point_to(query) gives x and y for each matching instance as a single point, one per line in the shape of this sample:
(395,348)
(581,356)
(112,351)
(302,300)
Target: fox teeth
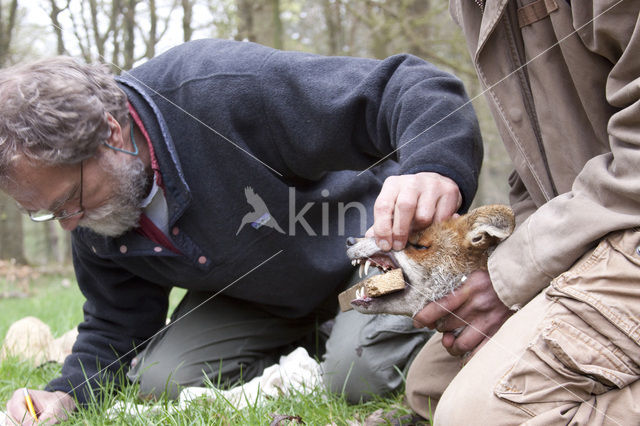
(354,262)
(366,267)
(360,270)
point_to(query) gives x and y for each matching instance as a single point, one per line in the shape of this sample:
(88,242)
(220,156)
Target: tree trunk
(11,238)
(57,28)
(153,30)
(276,27)
(187,18)
(129,33)
(333,21)
(7,25)
(259,21)
(245,20)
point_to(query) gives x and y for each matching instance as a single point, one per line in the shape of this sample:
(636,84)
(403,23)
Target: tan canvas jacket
(563,83)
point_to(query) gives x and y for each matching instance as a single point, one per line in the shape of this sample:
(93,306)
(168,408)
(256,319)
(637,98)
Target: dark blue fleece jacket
(296,128)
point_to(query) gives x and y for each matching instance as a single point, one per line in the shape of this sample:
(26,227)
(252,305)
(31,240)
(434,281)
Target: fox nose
(351,241)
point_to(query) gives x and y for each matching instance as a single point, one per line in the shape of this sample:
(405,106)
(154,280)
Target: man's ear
(488,225)
(115,138)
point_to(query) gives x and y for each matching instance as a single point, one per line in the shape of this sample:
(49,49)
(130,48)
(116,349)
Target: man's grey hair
(53,111)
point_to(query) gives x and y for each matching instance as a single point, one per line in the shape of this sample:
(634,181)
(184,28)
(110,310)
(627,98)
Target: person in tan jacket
(563,83)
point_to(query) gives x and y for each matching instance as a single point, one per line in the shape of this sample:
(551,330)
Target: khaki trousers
(570,356)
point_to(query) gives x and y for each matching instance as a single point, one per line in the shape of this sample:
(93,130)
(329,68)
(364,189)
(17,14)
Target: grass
(56,300)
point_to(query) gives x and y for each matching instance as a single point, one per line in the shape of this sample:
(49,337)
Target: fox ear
(488,225)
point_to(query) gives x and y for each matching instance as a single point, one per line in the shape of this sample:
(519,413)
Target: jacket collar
(176,189)
(493,10)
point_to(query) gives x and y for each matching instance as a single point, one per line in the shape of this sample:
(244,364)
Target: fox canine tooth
(360,270)
(366,267)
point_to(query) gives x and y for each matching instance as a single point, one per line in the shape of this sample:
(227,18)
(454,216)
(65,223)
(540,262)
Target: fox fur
(436,260)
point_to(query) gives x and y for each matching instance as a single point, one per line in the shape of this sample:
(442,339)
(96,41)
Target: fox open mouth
(389,279)
(383,262)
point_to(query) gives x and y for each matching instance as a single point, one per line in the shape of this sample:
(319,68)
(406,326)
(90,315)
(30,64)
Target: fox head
(435,260)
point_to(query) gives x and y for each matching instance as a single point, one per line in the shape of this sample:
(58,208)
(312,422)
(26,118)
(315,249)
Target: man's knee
(366,354)
(429,375)
(358,376)
(156,381)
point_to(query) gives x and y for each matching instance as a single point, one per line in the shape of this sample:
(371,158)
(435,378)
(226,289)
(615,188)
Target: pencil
(29,402)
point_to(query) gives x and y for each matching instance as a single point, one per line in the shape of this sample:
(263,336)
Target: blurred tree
(260,21)
(117,32)
(11,237)
(187,19)
(54,14)
(8,16)
(333,18)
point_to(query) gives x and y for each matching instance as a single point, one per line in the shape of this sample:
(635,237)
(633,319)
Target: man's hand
(474,306)
(51,407)
(411,202)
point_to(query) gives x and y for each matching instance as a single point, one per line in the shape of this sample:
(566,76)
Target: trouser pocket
(587,342)
(603,289)
(566,361)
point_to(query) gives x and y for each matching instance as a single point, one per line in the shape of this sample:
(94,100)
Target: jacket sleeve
(121,311)
(607,188)
(520,200)
(336,113)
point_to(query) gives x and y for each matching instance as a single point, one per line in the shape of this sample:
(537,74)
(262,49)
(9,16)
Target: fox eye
(419,247)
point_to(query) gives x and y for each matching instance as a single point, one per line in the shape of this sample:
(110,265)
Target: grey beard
(122,212)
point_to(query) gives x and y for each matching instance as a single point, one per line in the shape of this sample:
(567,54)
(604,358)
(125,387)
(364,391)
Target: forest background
(125,33)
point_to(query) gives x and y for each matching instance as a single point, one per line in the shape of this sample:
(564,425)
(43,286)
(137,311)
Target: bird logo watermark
(260,215)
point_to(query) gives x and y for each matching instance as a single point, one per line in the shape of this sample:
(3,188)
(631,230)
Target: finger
(441,322)
(417,323)
(453,321)
(467,341)
(473,314)
(441,307)
(369,233)
(383,213)
(404,211)
(17,409)
(424,210)
(447,204)
(463,316)
(447,340)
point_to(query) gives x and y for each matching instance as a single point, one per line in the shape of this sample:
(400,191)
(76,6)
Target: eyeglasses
(45,215)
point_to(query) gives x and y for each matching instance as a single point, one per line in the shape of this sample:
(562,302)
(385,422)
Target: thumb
(369,233)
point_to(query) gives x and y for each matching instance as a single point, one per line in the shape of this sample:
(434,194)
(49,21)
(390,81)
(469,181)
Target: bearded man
(152,171)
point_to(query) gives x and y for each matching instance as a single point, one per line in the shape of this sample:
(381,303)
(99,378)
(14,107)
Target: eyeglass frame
(46,216)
